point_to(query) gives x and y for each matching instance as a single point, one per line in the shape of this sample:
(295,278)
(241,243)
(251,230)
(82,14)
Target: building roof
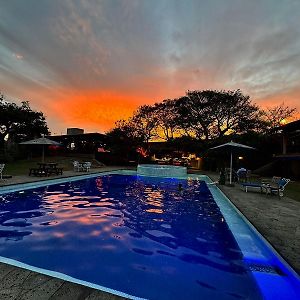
(290,127)
(82,136)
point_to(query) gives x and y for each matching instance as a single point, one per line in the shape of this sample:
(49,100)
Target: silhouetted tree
(233,112)
(145,123)
(123,139)
(212,114)
(194,116)
(19,122)
(167,119)
(277,115)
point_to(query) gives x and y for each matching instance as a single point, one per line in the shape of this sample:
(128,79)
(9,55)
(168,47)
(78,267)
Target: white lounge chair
(77,166)
(87,166)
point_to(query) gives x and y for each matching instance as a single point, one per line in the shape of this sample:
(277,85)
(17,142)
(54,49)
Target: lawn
(292,190)
(21,167)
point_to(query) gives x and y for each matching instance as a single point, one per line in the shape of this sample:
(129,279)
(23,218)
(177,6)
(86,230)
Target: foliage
(20,122)
(167,117)
(124,139)
(198,120)
(213,114)
(278,115)
(144,123)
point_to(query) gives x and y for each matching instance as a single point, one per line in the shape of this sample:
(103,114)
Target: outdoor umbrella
(41,141)
(231,146)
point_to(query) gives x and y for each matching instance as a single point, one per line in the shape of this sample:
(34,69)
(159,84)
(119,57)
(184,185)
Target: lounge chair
(277,188)
(77,166)
(86,166)
(255,185)
(1,170)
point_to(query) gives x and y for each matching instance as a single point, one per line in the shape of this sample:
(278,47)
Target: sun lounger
(247,185)
(276,188)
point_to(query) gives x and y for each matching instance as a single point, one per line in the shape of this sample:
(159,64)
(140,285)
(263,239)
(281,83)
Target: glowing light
(241,157)
(143,152)
(283,122)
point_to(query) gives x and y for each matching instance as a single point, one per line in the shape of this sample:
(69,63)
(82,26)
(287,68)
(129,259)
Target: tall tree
(19,122)
(212,114)
(124,139)
(278,115)
(167,119)
(145,122)
(233,112)
(194,114)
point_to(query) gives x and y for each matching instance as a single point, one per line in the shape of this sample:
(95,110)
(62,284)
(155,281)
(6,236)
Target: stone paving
(276,219)
(21,284)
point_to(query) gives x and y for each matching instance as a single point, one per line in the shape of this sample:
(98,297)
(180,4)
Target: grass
(292,190)
(21,167)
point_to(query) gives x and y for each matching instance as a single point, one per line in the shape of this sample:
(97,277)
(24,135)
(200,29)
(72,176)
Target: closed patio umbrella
(232,147)
(41,141)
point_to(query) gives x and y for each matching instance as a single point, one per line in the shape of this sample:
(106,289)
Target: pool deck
(276,219)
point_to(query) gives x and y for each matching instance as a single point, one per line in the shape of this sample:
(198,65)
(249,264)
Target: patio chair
(87,166)
(77,166)
(277,188)
(1,170)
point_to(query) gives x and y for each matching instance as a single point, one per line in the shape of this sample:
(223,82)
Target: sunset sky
(88,63)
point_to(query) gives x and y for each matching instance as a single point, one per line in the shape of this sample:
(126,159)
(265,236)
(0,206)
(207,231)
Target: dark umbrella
(41,141)
(232,146)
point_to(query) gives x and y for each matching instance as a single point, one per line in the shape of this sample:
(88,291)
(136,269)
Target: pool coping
(262,239)
(211,185)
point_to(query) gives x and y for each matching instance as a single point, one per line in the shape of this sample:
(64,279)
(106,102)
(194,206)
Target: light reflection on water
(128,233)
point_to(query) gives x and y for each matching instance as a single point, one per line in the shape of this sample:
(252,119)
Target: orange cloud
(290,98)
(94,110)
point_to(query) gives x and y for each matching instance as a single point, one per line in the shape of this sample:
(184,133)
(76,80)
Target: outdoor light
(241,157)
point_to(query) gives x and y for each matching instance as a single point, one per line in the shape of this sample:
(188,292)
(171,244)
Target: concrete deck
(276,219)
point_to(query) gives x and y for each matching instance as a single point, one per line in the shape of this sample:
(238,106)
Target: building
(290,137)
(287,163)
(81,143)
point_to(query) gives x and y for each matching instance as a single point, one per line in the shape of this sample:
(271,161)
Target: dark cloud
(147,49)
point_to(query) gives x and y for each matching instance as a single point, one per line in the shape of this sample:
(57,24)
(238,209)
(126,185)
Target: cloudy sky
(87,63)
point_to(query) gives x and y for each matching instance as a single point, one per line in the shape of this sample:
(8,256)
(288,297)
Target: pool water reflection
(139,235)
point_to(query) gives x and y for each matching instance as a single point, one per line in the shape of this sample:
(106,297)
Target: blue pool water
(138,235)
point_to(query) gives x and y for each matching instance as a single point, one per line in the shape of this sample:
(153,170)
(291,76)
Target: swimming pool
(142,237)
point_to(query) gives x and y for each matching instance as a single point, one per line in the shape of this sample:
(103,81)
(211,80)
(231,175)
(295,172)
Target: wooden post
(284,143)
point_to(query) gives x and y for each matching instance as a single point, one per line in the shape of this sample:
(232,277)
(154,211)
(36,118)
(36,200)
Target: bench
(55,171)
